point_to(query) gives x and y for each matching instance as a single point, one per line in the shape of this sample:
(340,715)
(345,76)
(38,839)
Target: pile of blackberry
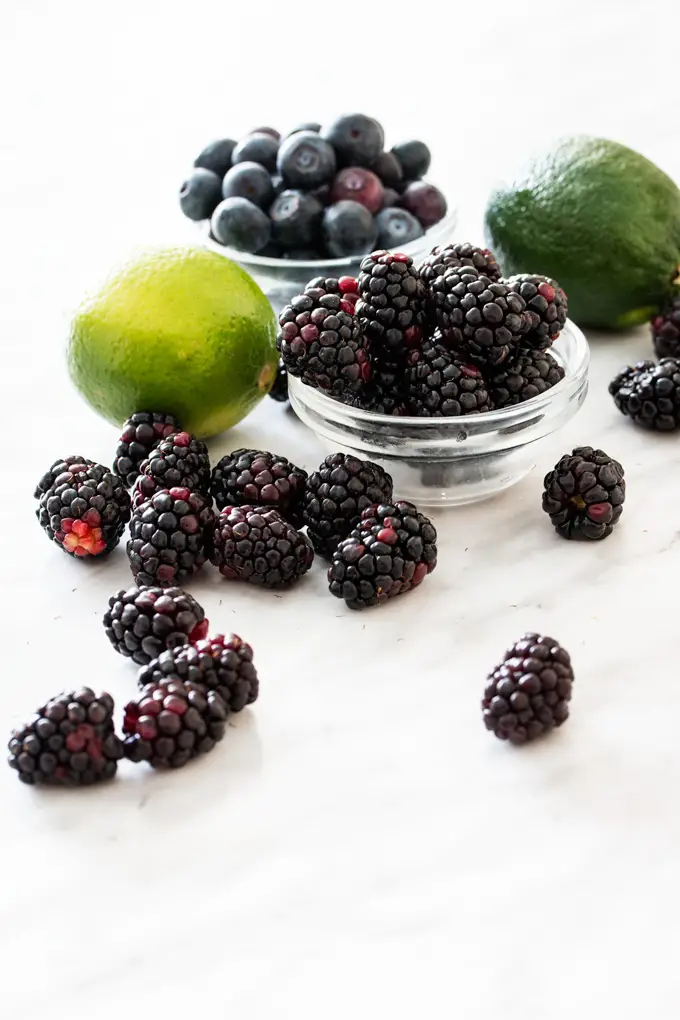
(336,496)
(141,434)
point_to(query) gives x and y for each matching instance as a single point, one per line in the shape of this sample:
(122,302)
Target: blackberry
(221,664)
(337,494)
(666,329)
(392,303)
(142,622)
(70,741)
(322,342)
(528,694)
(385,395)
(167,537)
(85,511)
(453,256)
(392,549)
(546,309)
(527,375)
(259,478)
(279,390)
(256,544)
(172,722)
(437,384)
(141,434)
(584,494)
(650,394)
(180,460)
(485,319)
(74,464)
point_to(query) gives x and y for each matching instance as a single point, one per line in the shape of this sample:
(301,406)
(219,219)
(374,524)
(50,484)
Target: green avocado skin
(601,220)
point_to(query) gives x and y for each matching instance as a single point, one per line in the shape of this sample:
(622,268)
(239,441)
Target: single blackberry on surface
(650,395)
(437,384)
(337,494)
(223,664)
(528,694)
(392,549)
(85,512)
(178,461)
(141,434)
(392,303)
(279,391)
(142,622)
(168,537)
(171,722)
(453,256)
(74,464)
(546,309)
(259,478)
(256,544)
(584,494)
(70,741)
(475,315)
(666,329)
(528,374)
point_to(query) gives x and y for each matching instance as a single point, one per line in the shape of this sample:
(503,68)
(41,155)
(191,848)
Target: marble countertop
(358,845)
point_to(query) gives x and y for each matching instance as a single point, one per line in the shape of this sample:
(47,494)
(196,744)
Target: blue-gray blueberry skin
(357,139)
(349,229)
(240,224)
(414,158)
(258,147)
(199,194)
(397,227)
(249,180)
(296,219)
(216,156)
(305,160)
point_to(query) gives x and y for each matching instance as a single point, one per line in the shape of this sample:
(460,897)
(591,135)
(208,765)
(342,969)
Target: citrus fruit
(182,331)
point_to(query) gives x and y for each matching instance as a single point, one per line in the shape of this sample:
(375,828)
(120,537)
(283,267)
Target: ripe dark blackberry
(279,391)
(74,464)
(168,537)
(527,375)
(666,329)
(221,664)
(70,741)
(85,512)
(439,385)
(453,256)
(336,496)
(392,549)
(172,722)
(256,544)
(141,434)
(475,315)
(259,478)
(546,309)
(584,494)
(650,395)
(392,303)
(528,694)
(142,622)
(384,394)
(179,461)
(322,342)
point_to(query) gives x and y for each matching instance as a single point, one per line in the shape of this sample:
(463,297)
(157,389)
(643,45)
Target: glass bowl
(450,461)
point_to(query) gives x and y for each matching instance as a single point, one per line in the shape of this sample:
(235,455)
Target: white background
(358,846)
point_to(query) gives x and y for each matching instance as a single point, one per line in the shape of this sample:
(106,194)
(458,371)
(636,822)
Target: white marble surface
(358,845)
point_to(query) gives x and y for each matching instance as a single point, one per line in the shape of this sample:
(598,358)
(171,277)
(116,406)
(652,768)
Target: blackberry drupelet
(142,622)
(172,722)
(546,309)
(70,741)
(392,549)
(221,664)
(650,395)
(279,391)
(168,537)
(179,461)
(584,494)
(527,375)
(85,512)
(385,393)
(528,694)
(141,434)
(337,494)
(439,385)
(392,303)
(666,329)
(259,478)
(475,315)
(256,544)
(74,464)
(453,256)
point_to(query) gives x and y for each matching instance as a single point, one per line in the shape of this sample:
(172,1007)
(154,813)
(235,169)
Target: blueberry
(257,148)
(216,156)
(349,229)
(248,180)
(309,125)
(357,184)
(390,198)
(199,194)
(296,219)
(358,140)
(425,202)
(397,227)
(388,168)
(267,131)
(305,160)
(239,224)
(414,158)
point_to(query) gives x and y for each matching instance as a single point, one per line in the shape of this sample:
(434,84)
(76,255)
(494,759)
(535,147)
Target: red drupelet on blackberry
(85,511)
(171,722)
(436,384)
(167,542)
(141,434)
(223,664)
(392,304)
(179,461)
(259,478)
(546,309)
(527,375)
(453,256)
(256,544)
(142,622)
(584,494)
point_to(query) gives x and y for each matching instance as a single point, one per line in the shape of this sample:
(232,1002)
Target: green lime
(600,219)
(183,331)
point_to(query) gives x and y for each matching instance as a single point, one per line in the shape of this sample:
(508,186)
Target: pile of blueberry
(317,193)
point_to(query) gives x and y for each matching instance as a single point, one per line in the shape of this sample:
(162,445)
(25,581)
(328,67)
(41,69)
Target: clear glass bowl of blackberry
(445,461)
